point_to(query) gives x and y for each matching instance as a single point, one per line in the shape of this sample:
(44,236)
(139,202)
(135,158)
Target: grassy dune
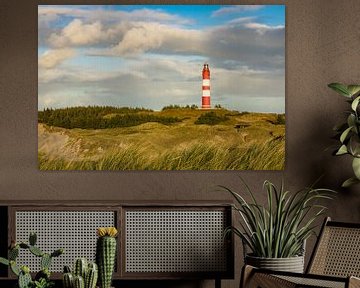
(258,145)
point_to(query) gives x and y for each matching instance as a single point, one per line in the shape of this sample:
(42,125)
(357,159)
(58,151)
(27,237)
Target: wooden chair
(335,262)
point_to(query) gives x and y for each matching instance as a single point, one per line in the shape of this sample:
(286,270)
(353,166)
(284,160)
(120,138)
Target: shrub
(173,107)
(93,117)
(211,118)
(280,119)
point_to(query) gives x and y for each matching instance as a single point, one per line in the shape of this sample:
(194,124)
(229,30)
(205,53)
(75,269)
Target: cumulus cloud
(53,58)
(77,33)
(143,37)
(253,43)
(263,28)
(235,9)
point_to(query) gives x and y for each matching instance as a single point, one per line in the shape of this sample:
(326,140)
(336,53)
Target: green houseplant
(42,278)
(349,131)
(275,233)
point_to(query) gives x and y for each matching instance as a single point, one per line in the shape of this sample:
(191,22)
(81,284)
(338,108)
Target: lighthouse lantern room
(205,100)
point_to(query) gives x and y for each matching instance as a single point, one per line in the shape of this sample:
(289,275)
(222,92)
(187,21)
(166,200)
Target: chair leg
(250,278)
(354,282)
(246,274)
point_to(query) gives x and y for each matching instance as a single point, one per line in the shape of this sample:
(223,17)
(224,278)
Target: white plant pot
(291,264)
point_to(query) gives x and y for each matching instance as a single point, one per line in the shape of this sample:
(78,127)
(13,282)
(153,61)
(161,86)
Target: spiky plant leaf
(280,228)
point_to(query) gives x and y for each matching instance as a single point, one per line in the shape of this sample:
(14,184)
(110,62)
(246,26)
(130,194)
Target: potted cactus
(106,254)
(42,278)
(85,275)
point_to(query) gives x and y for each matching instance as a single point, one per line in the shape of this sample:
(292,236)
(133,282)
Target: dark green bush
(280,119)
(172,107)
(211,118)
(93,117)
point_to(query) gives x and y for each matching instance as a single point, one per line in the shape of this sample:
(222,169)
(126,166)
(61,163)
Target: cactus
(79,282)
(105,254)
(57,253)
(43,274)
(24,246)
(13,253)
(91,276)
(36,251)
(90,272)
(45,261)
(32,238)
(67,269)
(14,268)
(80,268)
(68,280)
(24,278)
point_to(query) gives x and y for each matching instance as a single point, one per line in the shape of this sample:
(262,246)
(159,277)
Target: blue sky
(152,55)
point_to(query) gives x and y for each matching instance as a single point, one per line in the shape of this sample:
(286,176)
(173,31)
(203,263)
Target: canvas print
(161,87)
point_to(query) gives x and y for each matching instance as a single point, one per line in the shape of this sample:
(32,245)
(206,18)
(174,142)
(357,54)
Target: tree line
(100,117)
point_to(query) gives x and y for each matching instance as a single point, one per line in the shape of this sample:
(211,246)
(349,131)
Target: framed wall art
(161,87)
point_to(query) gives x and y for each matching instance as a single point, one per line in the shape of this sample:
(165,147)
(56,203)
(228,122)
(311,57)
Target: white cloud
(144,37)
(235,9)
(55,57)
(263,28)
(77,33)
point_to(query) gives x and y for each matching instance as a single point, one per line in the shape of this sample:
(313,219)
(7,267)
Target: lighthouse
(205,100)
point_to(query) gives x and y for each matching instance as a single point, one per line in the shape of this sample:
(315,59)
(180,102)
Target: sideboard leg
(217,283)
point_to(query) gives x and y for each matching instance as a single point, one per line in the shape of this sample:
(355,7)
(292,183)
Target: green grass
(259,145)
(269,155)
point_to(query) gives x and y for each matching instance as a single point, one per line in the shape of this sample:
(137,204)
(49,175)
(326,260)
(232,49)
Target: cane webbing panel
(313,282)
(74,231)
(175,241)
(267,280)
(338,252)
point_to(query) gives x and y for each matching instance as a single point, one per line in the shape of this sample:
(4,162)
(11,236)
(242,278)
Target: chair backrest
(337,251)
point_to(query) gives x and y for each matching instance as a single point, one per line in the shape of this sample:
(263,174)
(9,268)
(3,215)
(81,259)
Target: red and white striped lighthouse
(205,100)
